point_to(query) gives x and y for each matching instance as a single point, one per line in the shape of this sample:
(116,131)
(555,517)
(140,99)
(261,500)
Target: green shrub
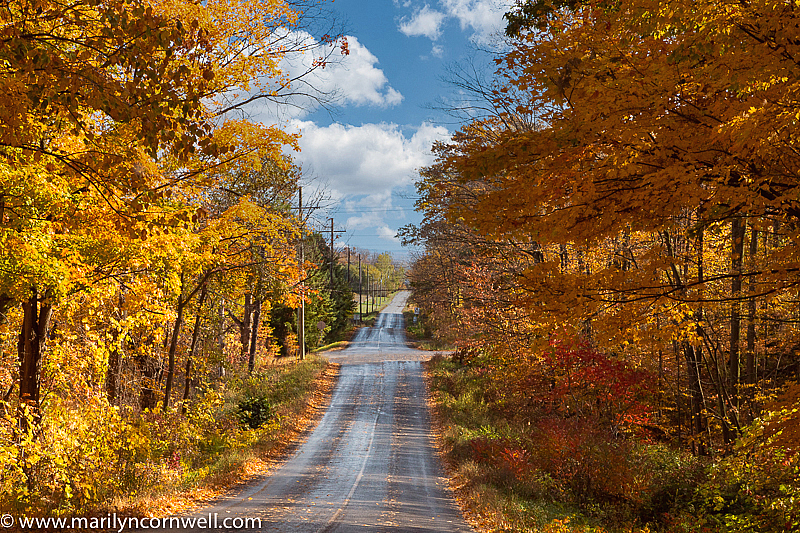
(671,478)
(254,412)
(755,489)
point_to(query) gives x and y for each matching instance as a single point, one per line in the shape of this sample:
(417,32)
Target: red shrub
(587,459)
(589,384)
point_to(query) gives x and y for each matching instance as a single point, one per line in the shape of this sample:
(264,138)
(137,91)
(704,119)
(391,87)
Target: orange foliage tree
(651,207)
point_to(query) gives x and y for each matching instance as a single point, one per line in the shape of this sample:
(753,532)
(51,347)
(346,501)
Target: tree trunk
(697,397)
(750,376)
(723,396)
(678,392)
(114,367)
(193,348)
(251,363)
(734,363)
(149,369)
(173,348)
(563,255)
(693,358)
(30,348)
(221,338)
(115,354)
(750,357)
(246,323)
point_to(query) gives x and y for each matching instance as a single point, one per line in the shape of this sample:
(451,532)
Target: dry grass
(240,467)
(467,501)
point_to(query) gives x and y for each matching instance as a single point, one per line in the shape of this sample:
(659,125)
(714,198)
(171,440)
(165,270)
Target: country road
(370,465)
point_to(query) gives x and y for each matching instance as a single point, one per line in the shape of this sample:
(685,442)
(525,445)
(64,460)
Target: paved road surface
(370,465)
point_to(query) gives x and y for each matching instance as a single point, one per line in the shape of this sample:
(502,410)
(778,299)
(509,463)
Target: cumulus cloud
(388,234)
(425,22)
(346,79)
(363,165)
(358,78)
(371,213)
(370,157)
(482,18)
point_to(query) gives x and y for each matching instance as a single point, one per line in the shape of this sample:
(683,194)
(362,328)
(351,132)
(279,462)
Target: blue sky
(364,153)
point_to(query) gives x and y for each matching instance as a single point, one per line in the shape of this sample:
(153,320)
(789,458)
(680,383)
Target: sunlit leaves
(661,128)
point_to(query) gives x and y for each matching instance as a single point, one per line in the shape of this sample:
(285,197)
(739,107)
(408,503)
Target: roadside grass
(338,345)
(163,463)
(292,395)
(513,473)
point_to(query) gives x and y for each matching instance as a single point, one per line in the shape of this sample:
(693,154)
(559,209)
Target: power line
(376,210)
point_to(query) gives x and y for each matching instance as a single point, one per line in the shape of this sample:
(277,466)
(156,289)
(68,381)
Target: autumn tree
(655,191)
(91,99)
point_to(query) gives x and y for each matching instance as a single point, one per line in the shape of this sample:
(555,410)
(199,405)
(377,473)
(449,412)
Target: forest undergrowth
(520,468)
(88,459)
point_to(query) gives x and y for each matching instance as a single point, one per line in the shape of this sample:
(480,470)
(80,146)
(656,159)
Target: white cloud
(363,165)
(388,234)
(370,157)
(482,18)
(425,22)
(359,79)
(368,211)
(350,79)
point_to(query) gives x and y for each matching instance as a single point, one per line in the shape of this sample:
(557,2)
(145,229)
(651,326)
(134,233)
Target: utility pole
(348,267)
(301,334)
(332,258)
(360,311)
